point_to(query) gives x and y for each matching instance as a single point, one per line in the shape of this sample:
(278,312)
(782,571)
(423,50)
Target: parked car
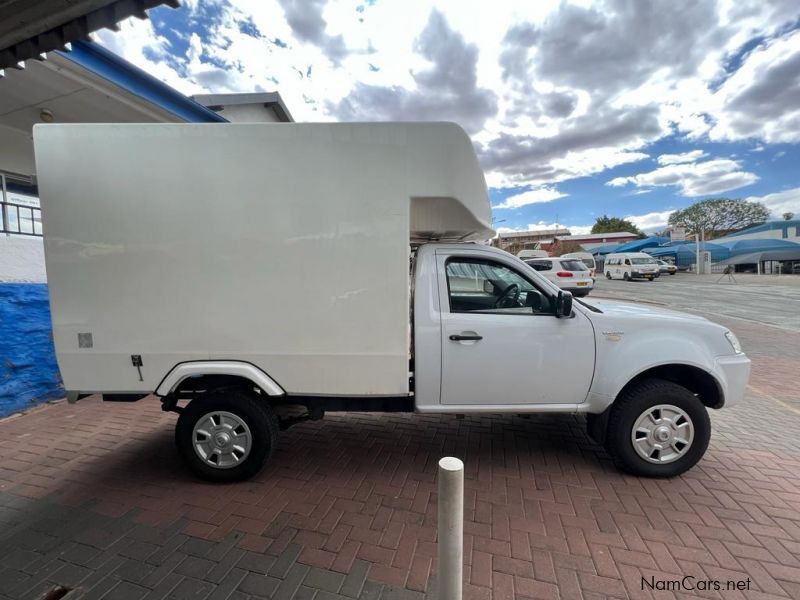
(586,258)
(665,267)
(631,265)
(304,300)
(526,254)
(567,273)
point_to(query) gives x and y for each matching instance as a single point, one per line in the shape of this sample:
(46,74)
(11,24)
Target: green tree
(720,216)
(606,224)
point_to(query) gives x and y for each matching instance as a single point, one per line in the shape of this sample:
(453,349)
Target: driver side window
(478,285)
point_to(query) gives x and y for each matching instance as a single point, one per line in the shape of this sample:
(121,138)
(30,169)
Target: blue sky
(576,109)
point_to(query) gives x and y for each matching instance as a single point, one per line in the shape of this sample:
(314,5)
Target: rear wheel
(226,435)
(657,429)
(608,274)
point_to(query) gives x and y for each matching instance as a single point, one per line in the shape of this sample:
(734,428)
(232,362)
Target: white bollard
(451,527)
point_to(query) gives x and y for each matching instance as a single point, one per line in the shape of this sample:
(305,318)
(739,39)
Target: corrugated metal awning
(29,29)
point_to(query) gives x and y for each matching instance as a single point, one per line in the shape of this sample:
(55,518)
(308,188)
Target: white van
(631,265)
(243,272)
(586,258)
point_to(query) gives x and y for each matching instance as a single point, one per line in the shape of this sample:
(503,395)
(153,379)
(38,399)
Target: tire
(239,413)
(608,274)
(674,403)
(672,273)
(626,277)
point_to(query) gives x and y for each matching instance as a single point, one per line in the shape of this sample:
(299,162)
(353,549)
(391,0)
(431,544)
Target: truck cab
(492,335)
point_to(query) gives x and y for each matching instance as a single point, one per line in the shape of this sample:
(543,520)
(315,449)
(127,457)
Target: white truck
(248,273)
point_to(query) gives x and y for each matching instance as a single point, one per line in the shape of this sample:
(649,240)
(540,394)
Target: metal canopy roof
(758,245)
(768,226)
(88,85)
(755,257)
(29,29)
(639,245)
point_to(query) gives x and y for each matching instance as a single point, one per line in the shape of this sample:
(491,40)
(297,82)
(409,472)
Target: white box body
(283,245)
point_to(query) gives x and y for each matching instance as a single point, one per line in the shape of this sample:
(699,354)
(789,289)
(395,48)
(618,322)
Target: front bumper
(733,372)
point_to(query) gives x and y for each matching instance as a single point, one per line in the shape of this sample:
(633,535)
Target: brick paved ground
(93,497)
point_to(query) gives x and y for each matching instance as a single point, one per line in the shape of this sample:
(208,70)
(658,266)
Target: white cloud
(535,196)
(684,157)
(693,179)
(545,226)
(760,100)
(780,202)
(549,91)
(650,221)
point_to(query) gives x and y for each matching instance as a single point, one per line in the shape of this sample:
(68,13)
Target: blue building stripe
(93,57)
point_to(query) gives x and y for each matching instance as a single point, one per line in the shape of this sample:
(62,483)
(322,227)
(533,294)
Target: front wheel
(226,435)
(657,429)
(625,276)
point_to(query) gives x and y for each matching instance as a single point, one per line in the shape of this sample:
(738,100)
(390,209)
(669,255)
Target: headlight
(734,342)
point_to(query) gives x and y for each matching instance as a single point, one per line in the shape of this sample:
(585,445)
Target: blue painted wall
(28,370)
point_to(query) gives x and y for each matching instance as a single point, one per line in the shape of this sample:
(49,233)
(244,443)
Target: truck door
(501,343)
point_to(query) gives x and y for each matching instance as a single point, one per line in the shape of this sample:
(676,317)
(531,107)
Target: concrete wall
(21,259)
(249,113)
(16,151)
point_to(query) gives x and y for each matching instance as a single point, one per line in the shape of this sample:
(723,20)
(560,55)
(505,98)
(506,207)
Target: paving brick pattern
(94,498)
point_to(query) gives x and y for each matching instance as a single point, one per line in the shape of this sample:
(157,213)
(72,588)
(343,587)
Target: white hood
(615,308)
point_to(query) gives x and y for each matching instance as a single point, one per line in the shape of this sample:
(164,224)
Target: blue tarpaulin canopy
(757,257)
(639,245)
(685,254)
(737,247)
(603,250)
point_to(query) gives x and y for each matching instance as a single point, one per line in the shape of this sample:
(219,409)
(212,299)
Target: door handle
(462,338)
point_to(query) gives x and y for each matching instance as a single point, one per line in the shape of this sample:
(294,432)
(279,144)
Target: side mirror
(563,304)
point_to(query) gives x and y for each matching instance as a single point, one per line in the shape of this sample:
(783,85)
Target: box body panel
(284,245)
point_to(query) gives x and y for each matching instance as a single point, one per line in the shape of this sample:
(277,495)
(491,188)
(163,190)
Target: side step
(124,397)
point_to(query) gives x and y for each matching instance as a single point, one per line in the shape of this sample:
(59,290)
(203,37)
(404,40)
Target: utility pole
(698,246)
